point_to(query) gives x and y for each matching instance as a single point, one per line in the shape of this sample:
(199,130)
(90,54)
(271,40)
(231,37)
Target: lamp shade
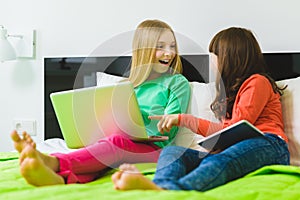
(7,51)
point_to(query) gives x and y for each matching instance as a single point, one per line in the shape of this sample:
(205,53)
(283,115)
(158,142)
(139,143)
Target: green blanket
(271,182)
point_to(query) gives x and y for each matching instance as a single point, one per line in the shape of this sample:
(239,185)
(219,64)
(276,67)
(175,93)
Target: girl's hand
(166,122)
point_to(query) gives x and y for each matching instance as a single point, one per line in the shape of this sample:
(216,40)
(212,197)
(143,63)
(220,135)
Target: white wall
(76,28)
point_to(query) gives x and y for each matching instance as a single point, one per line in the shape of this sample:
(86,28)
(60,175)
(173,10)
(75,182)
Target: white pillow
(291,115)
(202,95)
(106,79)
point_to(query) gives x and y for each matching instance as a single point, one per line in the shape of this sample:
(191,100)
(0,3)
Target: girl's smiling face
(165,52)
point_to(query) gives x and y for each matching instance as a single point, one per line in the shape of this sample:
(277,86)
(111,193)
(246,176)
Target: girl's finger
(156,117)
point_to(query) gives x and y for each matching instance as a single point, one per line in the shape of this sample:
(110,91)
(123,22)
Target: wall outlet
(27,125)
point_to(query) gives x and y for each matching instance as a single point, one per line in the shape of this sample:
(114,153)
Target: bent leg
(173,164)
(235,162)
(85,165)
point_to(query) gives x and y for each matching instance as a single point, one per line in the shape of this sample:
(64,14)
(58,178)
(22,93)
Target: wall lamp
(18,46)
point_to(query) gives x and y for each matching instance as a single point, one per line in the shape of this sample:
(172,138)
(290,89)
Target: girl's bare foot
(34,170)
(37,168)
(26,140)
(129,178)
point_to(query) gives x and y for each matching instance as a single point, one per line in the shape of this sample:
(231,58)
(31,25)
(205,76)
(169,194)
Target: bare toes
(15,136)
(129,168)
(115,179)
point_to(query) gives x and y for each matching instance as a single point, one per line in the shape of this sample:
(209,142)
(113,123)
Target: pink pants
(86,164)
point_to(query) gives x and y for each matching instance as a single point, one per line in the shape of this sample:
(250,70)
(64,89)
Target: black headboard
(283,65)
(64,73)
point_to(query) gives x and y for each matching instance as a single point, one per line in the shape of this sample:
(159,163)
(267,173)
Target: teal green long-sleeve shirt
(167,94)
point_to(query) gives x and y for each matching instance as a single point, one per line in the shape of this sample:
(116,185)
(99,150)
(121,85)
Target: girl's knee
(173,150)
(119,140)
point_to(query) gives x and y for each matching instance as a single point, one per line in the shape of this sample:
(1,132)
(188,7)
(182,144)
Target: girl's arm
(249,103)
(251,99)
(196,125)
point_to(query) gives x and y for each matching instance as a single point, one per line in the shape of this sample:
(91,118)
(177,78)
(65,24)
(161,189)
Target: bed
(269,182)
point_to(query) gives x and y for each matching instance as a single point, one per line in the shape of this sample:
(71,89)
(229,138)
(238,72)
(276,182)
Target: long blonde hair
(143,50)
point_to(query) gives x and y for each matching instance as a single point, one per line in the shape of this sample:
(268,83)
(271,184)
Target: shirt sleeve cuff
(179,119)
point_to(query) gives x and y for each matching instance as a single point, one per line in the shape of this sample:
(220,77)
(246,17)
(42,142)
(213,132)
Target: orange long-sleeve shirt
(255,102)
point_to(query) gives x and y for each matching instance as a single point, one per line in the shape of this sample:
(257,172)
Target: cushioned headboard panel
(283,65)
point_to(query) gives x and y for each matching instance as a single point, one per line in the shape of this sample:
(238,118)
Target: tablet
(230,135)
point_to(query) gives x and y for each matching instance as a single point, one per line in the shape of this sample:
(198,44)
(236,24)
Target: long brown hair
(144,45)
(239,57)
